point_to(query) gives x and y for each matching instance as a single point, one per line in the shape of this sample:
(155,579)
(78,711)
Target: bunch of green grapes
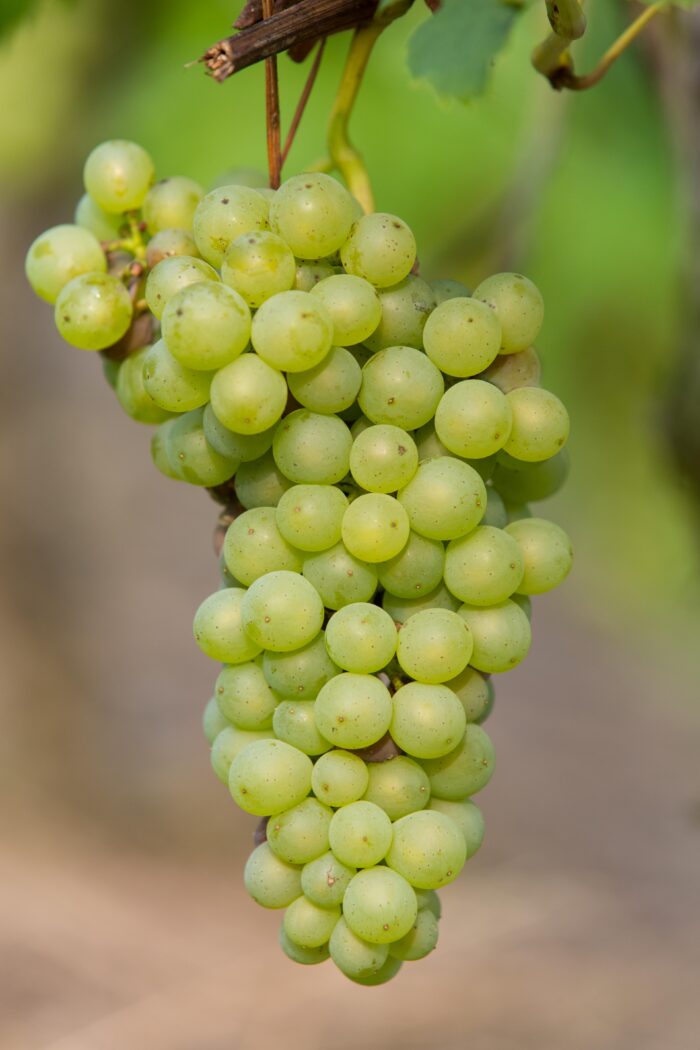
(377,440)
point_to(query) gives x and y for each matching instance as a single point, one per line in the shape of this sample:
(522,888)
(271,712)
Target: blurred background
(124,922)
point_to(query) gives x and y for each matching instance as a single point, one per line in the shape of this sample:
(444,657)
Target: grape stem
(304,98)
(272,111)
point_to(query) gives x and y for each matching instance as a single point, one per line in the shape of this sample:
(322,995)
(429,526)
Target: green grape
(381,248)
(462,337)
(171,203)
(444,289)
(219,630)
(445,499)
(242,176)
(380,905)
(243,447)
(268,777)
(339,577)
(282,611)
(420,940)
(399,786)
(361,638)
(510,371)
(110,370)
(375,527)
(300,833)
(429,899)
(192,457)
(484,567)
(311,449)
(60,254)
(359,426)
(486,467)
(467,817)
(429,444)
(292,331)
(271,882)
(465,770)
(310,516)
(168,244)
(532,482)
(352,305)
(313,213)
(473,419)
(132,394)
(118,174)
(206,325)
(93,311)
(496,514)
(416,570)
(294,722)
(400,386)
(518,305)
(244,697)
(213,721)
(427,849)
(330,386)
(159,452)
(307,924)
(353,710)
(473,692)
(404,310)
(501,635)
(523,600)
(254,546)
(433,646)
(248,396)
(546,552)
(173,386)
(540,424)
(225,214)
(305,956)
(259,483)
(227,578)
(400,609)
(308,274)
(99,222)
(227,745)
(172,275)
(383,458)
(339,778)
(353,956)
(427,720)
(299,675)
(258,265)
(385,973)
(325,879)
(360,834)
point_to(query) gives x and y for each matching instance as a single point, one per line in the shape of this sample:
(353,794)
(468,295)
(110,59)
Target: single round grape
(433,646)
(254,546)
(206,325)
(227,745)
(399,786)
(268,777)
(248,396)
(271,882)
(467,817)
(325,879)
(404,307)
(427,849)
(428,720)
(400,386)
(173,386)
(501,635)
(496,514)
(159,454)
(383,458)
(330,386)
(258,265)
(93,311)
(385,973)
(381,248)
(353,710)
(523,600)
(360,834)
(244,697)
(518,305)
(313,213)
(219,630)
(400,609)
(339,778)
(484,567)
(132,394)
(445,499)
(310,516)
(429,900)
(353,956)
(375,527)
(292,331)
(339,577)
(305,956)
(309,273)
(510,371)
(294,721)
(380,905)
(307,924)
(118,174)
(531,482)
(546,552)
(243,447)
(89,215)
(60,254)
(171,203)
(259,483)
(462,337)
(352,305)
(361,638)
(540,424)
(420,940)
(473,419)
(172,275)
(300,833)
(300,674)
(445,288)
(463,771)
(110,370)
(213,721)
(428,443)
(473,691)
(312,449)
(416,570)
(225,214)
(486,466)
(169,244)
(243,176)
(191,456)
(282,611)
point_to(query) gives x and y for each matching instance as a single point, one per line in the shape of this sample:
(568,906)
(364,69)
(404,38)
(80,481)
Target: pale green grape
(428,443)
(173,386)
(259,483)
(243,447)
(540,424)
(307,924)
(292,331)
(420,940)
(353,710)
(339,778)
(313,213)
(294,722)
(462,337)
(268,777)
(244,697)
(227,578)
(271,882)
(93,311)
(110,370)
(206,325)
(172,275)
(352,955)
(310,516)
(510,371)
(429,899)
(259,265)
(473,691)
(339,577)
(399,786)
(375,527)
(501,635)
(282,611)
(213,721)
(352,305)
(219,630)
(310,273)
(60,254)
(518,305)
(524,602)
(428,720)
(311,449)
(300,833)
(227,745)
(132,394)
(383,458)
(463,771)
(484,567)
(546,552)
(169,244)
(427,849)
(473,419)
(360,425)
(416,570)
(445,499)
(325,879)
(331,386)
(248,396)
(445,288)
(99,222)
(400,609)
(400,386)
(118,174)
(496,514)
(381,248)
(380,905)
(486,467)
(171,203)
(225,214)
(361,638)
(299,675)
(159,452)
(242,176)
(254,546)
(404,310)
(433,646)
(385,973)
(192,457)
(531,482)
(360,834)
(305,956)
(468,819)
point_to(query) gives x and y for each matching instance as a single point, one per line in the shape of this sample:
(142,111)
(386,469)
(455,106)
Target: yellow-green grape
(173,386)
(292,331)
(227,745)
(219,629)
(375,527)
(171,203)
(445,499)
(434,646)
(191,455)
(339,778)
(404,310)
(486,467)
(467,817)
(339,577)
(383,458)
(473,419)
(60,254)
(243,447)
(353,710)
(518,305)
(381,248)
(416,570)
(132,394)
(118,174)
(213,721)
(300,674)
(259,265)
(540,424)
(353,306)
(254,546)
(399,786)
(309,925)
(385,973)
(313,213)
(310,516)
(270,881)
(510,371)
(225,214)
(462,337)
(169,244)
(361,638)
(206,325)
(244,697)
(360,834)
(330,386)
(445,288)
(304,956)
(473,691)
(110,370)
(400,386)
(309,273)
(248,396)
(428,720)
(420,940)
(463,771)
(429,444)
(429,899)
(484,567)
(268,777)
(93,311)
(427,849)
(523,600)
(260,484)
(242,176)
(294,721)
(546,552)
(282,611)
(496,514)
(501,635)
(159,453)
(521,483)
(92,217)
(355,957)
(300,833)
(400,609)
(310,448)
(380,905)
(172,275)
(325,879)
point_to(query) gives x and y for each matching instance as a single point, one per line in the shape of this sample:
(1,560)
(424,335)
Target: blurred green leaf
(11,11)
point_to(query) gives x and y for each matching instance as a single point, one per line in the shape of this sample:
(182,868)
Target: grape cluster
(377,439)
